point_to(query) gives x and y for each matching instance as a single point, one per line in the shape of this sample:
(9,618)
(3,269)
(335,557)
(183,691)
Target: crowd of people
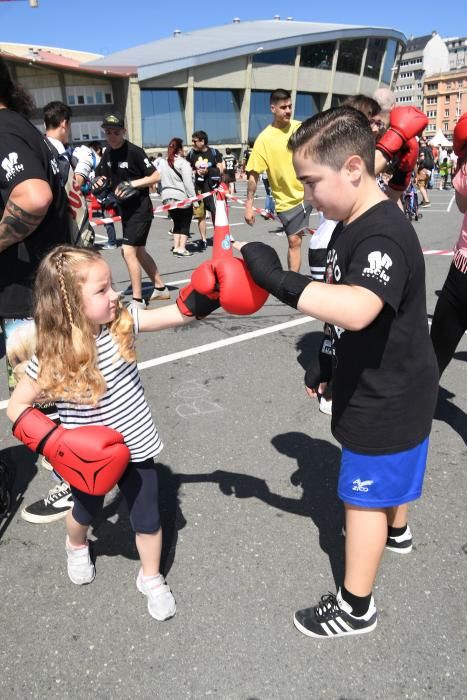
(76,396)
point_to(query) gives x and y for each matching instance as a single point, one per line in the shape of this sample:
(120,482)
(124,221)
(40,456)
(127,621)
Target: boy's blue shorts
(381,481)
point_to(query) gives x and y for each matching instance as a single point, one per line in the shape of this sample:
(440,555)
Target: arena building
(219,79)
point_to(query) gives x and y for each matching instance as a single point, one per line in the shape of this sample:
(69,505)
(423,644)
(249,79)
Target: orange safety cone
(221,244)
(225,277)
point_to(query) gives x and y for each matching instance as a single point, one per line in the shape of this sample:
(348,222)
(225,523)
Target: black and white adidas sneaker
(402,544)
(332,617)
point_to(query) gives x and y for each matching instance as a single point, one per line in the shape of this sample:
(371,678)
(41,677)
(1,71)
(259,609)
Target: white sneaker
(80,568)
(325,405)
(160,294)
(161,603)
(137,304)
(46,464)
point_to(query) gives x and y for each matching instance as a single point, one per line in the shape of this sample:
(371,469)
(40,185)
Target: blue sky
(104,26)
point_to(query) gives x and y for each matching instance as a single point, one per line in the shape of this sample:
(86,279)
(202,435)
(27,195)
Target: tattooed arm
(24,211)
(250,197)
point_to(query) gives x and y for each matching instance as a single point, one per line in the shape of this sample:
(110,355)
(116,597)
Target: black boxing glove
(266,269)
(320,368)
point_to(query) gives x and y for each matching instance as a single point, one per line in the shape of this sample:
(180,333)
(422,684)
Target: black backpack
(428,161)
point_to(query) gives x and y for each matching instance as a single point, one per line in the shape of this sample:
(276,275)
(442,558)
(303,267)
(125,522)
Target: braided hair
(66,345)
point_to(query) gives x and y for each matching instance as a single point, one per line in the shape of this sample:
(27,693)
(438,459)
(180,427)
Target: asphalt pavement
(251,523)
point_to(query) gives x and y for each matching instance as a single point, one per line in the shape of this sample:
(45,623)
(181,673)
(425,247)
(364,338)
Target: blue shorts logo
(361,486)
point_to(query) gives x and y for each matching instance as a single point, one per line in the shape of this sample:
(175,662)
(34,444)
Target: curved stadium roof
(187,49)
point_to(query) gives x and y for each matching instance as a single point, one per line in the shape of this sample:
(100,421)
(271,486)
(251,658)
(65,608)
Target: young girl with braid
(85,361)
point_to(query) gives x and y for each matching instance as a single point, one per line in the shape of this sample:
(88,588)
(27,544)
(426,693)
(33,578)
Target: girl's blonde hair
(66,346)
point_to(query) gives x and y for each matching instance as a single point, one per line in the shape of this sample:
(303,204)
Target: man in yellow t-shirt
(270,153)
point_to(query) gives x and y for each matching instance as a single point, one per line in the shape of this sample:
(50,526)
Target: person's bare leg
(183,239)
(202,228)
(398,515)
(149,548)
(149,266)
(177,242)
(294,253)
(77,533)
(424,193)
(130,256)
(366,531)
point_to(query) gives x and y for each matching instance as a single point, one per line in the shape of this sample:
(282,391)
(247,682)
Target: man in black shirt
(208,166)
(33,219)
(129,173)
(230,163)
(385,372)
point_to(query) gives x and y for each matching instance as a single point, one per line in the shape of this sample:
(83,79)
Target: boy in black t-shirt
(385,373)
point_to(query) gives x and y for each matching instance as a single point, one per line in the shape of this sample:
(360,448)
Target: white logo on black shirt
(379,264)
(123,164)
(11,166)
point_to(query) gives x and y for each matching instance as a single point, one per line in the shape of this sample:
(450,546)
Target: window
(447,98)
(281,57)
(86,131)
(431,100)
(318,55)
(391,50)
(349,59)
(374,58)
(446,112)
(260,113)
(218,113)
(163,116)
(432,86)
(446,126)
(431,114)
(448,85)
(88,95)
(43,96)
(306,105)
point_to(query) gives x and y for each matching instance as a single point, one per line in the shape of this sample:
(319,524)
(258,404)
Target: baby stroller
(410,201)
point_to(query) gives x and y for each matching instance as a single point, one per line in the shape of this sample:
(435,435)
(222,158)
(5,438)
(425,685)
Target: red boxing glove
(404,124)
(408,156)
(460,136)
(238,293)
(191,303)
(91,458)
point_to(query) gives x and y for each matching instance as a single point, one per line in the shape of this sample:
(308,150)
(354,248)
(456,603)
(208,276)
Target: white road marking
(451,202)
(208,347)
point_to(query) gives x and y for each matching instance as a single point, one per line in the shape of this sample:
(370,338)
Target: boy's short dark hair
(332,136)
(279,95)
(55,113)
(201,135)
(366,105)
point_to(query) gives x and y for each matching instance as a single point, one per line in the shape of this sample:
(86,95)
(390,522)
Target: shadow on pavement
(451,414)
(20,469)
(316,474)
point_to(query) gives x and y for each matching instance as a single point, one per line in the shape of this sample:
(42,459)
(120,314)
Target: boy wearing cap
(129,173)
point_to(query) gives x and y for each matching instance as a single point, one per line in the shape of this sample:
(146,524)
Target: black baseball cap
(113,121)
